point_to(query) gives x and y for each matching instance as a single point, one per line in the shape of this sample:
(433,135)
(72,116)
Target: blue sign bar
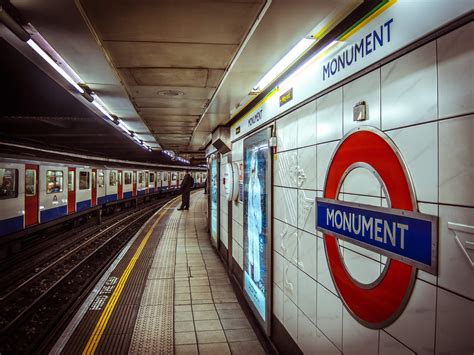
(408,236)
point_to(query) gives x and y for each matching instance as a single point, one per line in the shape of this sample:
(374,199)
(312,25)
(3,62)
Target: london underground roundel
(405,236)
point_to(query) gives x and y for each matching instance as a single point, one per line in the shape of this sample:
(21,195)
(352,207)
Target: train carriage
(12,197)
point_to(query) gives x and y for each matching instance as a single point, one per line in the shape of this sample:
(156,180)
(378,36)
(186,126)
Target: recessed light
(171,93)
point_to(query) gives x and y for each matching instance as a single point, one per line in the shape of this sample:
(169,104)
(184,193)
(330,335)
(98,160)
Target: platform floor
(167,293)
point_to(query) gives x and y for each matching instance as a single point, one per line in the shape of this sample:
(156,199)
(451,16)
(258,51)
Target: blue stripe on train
(101,200)
(151,189)
(141,192)
(11,225)
(110,198)
(53,213)
(127,194)
(83,205)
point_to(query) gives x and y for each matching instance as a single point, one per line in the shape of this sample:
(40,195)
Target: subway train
(35,192)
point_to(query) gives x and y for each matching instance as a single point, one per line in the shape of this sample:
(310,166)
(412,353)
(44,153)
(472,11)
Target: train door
(71,190)
(134,183)
(119,186)
(31,194)
(147,181)
(94,188)
(169,181)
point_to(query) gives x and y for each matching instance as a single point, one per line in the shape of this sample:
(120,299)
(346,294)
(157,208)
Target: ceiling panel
(156,91)
(172,20)
(167,102)
(150,112)
(170,55)
(170,76)
(214,78)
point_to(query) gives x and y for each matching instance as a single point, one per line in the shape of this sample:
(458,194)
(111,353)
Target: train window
(94,179)
(173,176)
(158,176)
(113,178)
(84,181)
(100,179)
(140,178)
(127,177)
(30,182)
(8,181)
(70,181)
(165,177)
(152,177)
(54,181)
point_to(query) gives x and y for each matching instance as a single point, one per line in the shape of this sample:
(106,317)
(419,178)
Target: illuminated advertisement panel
(257,243)
(214,194)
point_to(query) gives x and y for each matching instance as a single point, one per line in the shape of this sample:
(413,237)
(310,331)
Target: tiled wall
(424,101)
(224,238)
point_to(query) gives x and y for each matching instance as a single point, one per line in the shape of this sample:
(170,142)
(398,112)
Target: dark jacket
(187,183)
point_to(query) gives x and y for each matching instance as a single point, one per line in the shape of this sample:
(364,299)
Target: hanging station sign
(408,238)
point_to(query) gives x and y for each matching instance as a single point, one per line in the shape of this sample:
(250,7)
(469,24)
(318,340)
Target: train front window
(70,181)
(113,178)
(100,179)
(8,183)
(127,177)
(30,182)
(54,181)
(84,181)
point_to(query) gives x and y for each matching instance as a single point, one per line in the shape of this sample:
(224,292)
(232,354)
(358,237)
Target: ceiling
(173,70)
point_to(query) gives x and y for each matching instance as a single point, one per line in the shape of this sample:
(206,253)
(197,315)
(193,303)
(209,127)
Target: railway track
(30,310)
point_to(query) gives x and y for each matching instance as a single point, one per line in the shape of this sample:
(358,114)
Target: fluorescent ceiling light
(56,67)
(284,63)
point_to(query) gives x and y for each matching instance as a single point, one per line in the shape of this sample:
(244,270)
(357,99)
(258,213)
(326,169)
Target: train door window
(113,178)
(30,182)
(8,183)
(173,176)
(70,181)
(165,177)
(158,176)
(140,178)
(54,181)
(84,180)
(100,179)
(152,178)
(127,177)
(94,179)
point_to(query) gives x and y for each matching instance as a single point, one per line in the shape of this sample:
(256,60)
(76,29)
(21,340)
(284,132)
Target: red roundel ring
(378,305)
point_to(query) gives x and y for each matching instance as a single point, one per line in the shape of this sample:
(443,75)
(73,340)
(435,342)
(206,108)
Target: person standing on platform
(186,185)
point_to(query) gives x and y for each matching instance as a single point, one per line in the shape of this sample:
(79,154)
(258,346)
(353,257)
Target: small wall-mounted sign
(360,111)
(286,97)
(237,130)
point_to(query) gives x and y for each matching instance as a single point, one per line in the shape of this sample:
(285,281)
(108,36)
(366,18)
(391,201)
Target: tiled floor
(207,317)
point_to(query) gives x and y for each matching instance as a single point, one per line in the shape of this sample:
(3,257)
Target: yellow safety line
(99,329)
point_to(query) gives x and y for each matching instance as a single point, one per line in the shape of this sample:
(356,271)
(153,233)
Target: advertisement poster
(256,220)
(214,194)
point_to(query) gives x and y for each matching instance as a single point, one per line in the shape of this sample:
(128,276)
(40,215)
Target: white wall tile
(365,88)
(390,346)
(290,281)
(329,116)
(360,267)
(323,157)
(454,324)
(363,182)
(306,211)
(285,205)
(358,339)
(454,269)
(278,269)
(329,315)
(307,334)
(241,256)
(455,72)
(409,93)
(278,302)
(285,169)
(290,317)
(307,253)
(238,150)
(306,117)
(287,133)
(322,272)
(431,209)
(456,161)
(416,325)
(418,146)
(307,168)
(307,295)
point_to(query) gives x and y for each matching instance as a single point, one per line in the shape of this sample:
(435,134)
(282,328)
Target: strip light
(51,62)
(279,67)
